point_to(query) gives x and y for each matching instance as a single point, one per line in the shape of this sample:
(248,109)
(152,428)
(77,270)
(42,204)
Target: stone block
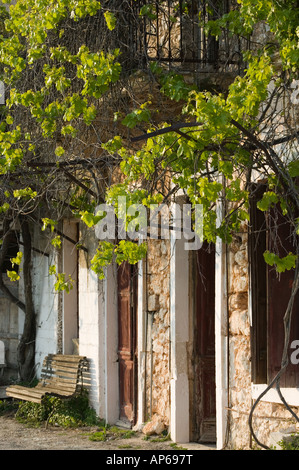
(238,301)
(155,426)
(239,323)
(153,303)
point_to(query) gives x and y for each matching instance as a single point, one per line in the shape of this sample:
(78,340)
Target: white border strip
(291,395)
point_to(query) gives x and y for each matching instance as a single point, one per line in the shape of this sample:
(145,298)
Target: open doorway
(204,400)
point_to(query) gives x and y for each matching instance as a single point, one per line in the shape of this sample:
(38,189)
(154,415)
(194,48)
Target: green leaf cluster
(108,252)
(282,264)
(63,283)
(55,411)
(142,114)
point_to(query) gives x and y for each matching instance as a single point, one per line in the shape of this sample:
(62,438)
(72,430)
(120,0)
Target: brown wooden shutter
(279,292)
(270,294)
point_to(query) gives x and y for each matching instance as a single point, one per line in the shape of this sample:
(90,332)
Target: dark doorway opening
(204,405)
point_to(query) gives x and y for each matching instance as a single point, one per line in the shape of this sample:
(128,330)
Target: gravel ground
(18,436)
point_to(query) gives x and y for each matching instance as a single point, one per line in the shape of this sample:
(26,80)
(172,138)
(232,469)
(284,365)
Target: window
(270,295)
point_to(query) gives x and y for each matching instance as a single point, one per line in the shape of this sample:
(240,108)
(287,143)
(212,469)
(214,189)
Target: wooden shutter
(279,292)
(270,294)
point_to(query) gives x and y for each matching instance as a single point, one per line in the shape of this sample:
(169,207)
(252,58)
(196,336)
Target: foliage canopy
(55,88)
(71,126)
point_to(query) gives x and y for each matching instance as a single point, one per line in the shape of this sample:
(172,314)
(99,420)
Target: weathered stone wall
(239,343)
(158,340)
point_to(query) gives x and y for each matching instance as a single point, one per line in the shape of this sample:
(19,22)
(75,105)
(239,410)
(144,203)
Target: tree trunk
(26,347)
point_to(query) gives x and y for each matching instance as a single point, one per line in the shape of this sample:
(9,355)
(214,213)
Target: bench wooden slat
(62,373)
(61,376)
(63,365)
(67,358)
(25,393)
(56,384)
(25,390)
(29,398)
(60,379)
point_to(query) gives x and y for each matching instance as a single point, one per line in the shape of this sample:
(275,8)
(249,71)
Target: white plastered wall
(98,334)
(141,344)
(70,299)
(179,337)
(46,299)
(221,342)
(91,329)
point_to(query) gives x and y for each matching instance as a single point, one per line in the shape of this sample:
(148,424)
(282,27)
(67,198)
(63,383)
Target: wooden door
(127,327)
(205,344)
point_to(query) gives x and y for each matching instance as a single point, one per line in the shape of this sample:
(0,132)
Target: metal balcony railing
(173,32)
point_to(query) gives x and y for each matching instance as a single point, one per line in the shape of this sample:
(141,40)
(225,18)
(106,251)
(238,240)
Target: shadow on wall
(90,383)
(87,374)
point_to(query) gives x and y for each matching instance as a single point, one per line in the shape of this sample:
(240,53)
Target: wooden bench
(61,375)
